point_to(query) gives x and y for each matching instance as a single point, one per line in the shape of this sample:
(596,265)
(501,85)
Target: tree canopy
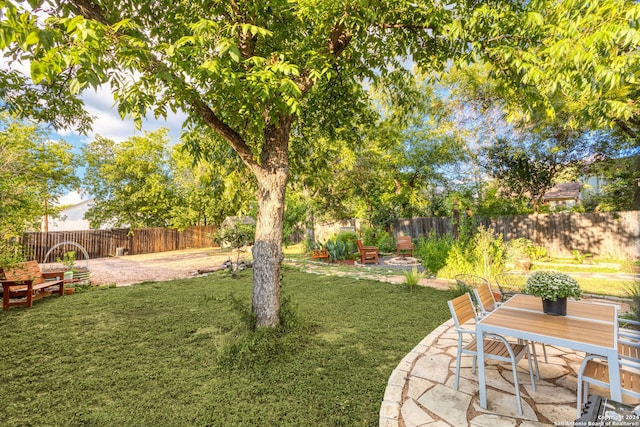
(130,181)
(576,58)
(34,173)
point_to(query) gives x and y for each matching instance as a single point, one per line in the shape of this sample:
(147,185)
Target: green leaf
(37,71)
(234,53)
(74,86)
(35,3)
(32,38)
(72,24)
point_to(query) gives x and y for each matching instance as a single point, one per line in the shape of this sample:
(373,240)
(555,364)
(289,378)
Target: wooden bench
(404,244)
(25,283)
(320,254)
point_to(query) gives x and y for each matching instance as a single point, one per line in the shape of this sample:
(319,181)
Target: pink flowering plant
(552,285)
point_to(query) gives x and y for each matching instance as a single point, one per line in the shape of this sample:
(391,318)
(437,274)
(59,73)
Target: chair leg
(579,397)
(517,386)
(544,351)
(458,357)
(585,393)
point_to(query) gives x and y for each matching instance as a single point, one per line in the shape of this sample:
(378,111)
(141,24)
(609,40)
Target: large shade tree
(130,181)
(244,69)
(34,173)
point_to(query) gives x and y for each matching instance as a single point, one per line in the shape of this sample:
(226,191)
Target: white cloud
(108,123)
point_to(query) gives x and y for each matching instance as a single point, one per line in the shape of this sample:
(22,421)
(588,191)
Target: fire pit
(402,261)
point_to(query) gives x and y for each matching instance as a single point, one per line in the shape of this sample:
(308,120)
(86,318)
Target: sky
(108,123)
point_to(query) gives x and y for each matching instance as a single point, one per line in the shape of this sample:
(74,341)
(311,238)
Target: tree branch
(627,129)
(339,40)
(90,10)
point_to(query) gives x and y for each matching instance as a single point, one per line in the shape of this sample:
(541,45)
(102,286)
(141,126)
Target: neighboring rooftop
(563,191)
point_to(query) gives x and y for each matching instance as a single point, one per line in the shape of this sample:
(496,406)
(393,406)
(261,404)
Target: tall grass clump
(412,278)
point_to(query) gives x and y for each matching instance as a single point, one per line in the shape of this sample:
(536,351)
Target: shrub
(518,248)
(237,236)
(434,251)
(459,261)
(337,250)
(349,239)
(489,253)
(483,255)
(379,238)
(341,245)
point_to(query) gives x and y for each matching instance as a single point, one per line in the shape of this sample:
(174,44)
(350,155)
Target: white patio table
(588,327)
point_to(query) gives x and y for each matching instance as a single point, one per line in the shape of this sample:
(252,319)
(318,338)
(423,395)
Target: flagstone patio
(420,391)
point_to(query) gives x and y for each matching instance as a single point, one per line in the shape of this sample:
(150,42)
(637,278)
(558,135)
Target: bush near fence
(608,234)
(105,243)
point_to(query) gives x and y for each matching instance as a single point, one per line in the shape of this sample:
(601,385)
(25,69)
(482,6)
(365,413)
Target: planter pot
(69,291)
(523,264)
(555,308)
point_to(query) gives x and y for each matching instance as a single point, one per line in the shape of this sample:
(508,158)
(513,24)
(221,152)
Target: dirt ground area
(130,269)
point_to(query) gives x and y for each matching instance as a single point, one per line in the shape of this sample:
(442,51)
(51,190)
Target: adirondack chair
(24,283)
(404,244)
(368,254)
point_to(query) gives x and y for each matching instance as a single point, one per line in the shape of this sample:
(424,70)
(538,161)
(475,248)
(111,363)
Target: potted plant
(554,288)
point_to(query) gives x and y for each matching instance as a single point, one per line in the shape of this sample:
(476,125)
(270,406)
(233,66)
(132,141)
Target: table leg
(482,386)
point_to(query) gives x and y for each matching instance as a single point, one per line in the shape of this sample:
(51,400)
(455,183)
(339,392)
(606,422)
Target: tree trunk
(272,176)
(310,232)
(267,250)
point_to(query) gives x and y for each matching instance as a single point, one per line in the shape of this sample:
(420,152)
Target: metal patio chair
(495,346)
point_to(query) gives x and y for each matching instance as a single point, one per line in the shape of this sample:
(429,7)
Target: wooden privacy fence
(416,227)
(106,243)
(610,234)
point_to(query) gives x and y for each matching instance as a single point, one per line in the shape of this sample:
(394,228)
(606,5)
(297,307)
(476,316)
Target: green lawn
(175,353)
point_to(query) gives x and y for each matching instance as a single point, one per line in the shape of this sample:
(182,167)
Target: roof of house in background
(563,191)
